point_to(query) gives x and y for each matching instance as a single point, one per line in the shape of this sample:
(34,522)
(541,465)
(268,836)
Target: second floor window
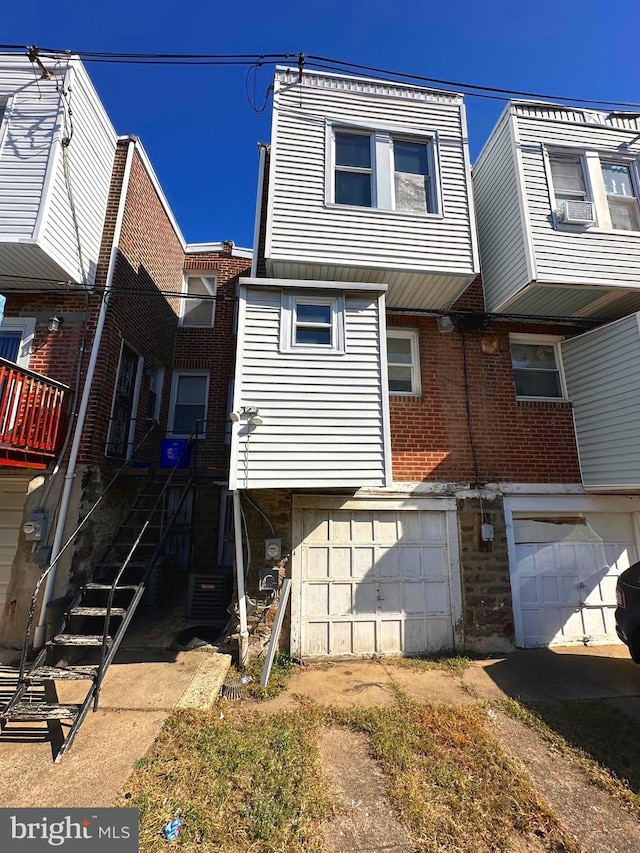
(568,179)
(412,178)
(189,399)
(536,367)
(353,169)
(403,364)
(621,196)
(198,305)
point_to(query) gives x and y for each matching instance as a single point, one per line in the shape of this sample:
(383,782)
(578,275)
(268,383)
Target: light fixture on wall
(252,413)
(445,324)
(55,323)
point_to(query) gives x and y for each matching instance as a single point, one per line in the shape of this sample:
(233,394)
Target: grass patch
(246,782)
(602,739)
(451,664)
(452,784)
(281,671)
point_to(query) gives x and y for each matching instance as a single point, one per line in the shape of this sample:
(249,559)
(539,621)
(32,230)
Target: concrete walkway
(138,693)
(536,675)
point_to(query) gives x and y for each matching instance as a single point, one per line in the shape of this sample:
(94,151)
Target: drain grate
(232,690)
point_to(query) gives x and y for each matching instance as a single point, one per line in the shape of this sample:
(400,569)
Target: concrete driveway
(535,675)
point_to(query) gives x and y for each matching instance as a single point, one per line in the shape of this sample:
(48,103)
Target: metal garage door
(374,582)
(12,495)
(564,578)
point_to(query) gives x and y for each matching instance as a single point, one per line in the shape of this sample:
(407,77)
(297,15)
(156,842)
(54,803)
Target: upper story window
(621,196)
(403,363)
(593,190)
(536,367)
(154,398)
(199,307)
(382,170)
(189,403)
(312,324)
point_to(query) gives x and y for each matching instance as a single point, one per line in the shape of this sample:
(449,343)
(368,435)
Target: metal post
(242,600)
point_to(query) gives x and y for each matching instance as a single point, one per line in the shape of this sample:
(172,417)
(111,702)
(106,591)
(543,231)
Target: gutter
(259,195)
(65,498)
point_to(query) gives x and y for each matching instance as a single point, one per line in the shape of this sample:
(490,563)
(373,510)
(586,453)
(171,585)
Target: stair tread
(31,712)
(109,586)
(96,611)
(70,673)
(78,640)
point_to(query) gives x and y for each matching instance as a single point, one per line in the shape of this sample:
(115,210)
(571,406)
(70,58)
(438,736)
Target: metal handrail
(107,620)
(27,640)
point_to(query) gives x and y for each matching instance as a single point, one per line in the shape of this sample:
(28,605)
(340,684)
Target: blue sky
(199,130)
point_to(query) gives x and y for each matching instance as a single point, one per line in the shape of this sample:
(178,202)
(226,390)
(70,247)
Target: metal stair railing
(21,685)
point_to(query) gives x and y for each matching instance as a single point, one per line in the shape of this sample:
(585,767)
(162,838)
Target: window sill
(555,400)
(405,396)
(330,205)
(593,229)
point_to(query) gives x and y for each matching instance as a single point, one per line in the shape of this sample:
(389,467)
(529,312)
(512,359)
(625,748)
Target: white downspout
(242,600)
(65,498)
(256,224)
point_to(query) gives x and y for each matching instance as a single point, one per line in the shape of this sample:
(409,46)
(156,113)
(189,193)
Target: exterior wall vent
(577,213)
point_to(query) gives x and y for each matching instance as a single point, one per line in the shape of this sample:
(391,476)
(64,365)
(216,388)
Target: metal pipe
(242,599)
(65,498)
(258,218)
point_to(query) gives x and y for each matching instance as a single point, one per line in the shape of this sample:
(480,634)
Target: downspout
(242,599)
(65,498)
(258,219)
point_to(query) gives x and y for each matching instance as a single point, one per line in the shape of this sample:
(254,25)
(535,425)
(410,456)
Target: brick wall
(515,441)
(214,350)
(150,258)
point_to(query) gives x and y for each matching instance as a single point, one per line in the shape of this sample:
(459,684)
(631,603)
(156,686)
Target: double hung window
(403,365)
(536,367)
(382,170)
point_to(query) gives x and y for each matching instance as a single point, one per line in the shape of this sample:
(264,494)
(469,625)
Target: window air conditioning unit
(577,213)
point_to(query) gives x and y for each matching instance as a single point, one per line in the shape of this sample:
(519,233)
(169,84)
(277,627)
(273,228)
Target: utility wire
(471,89)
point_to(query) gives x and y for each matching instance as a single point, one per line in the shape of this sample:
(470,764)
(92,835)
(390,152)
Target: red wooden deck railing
(31,415)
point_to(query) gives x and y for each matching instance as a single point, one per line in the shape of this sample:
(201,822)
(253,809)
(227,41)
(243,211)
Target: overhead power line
(328,63)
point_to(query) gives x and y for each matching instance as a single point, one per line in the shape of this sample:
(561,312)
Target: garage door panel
(438,635)
(363,561)
(564,590)
(398,565)
(365,599)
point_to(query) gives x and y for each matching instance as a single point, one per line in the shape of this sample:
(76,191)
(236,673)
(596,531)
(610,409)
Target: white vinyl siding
(34,196)
(607,259)
(602,371)
(501,233)
(324,415)
(12,496)
(407,249)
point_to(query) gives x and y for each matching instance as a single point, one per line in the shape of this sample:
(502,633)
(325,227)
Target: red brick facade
(515,441)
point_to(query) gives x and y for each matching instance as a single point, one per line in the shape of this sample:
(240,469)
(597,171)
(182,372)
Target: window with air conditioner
(382,170)
(592,190)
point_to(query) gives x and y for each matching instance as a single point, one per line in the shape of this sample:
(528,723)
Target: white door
(374,582)
(12,495)
(564,579)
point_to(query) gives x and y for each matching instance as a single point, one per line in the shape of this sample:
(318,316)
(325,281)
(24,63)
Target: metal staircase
(98,617)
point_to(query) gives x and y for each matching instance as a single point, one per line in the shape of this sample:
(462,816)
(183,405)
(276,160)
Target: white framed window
(312,323)
(16,339)
(154,398)
(189,403)
(199,307)
(537,368)
(607,185)
(403,362)
(382,170)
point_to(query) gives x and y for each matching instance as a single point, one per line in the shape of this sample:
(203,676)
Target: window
(353,169)
(621,197)
(411,176)
(380,170)
(403,365)
(189,397)
(199,308)
(568,179)
(312,324)
(609,185)
(536,367)
(154,399)
(16,339)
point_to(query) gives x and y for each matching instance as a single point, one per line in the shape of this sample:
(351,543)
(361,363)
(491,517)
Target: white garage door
(564,580)
(374,582)
(12,495)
